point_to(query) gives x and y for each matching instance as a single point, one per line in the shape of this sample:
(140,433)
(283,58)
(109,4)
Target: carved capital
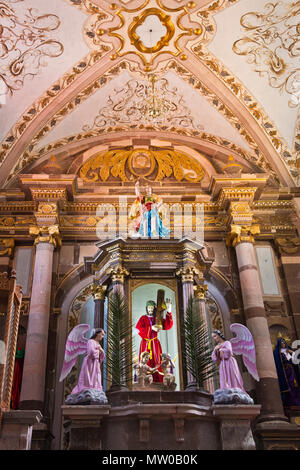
(7,246)
(117,274)
(99,292)
(241,234)
(46,234)
(200,291)
(187,273)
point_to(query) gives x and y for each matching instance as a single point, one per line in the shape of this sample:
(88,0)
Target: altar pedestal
(139,420)
(16,429)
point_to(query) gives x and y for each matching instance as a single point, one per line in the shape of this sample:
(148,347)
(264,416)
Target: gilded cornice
(39,194)
(236,193)
(16,206)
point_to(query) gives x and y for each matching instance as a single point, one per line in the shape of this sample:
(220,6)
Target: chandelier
(156,103)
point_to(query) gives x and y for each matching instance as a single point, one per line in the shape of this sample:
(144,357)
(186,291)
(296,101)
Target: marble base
(231,396)
(87,397)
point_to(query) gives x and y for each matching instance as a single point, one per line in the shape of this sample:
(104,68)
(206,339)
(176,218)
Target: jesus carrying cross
(148,327)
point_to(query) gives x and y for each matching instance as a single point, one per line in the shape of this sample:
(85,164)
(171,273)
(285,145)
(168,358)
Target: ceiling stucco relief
(193,26)
(31,154)
(121,103)
(148,31)
(36,48)
(271,45)
(27,42)
(254,91)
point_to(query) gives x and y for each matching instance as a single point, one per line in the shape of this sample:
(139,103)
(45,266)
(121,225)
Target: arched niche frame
(140,292)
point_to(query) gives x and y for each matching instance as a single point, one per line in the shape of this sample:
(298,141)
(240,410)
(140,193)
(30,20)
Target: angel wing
(243,344)
(76,344)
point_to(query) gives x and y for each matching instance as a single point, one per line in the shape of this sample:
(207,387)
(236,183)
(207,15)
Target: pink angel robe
(230,376)
(90,374)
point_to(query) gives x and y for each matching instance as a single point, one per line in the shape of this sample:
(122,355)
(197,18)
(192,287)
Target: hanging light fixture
(156,104)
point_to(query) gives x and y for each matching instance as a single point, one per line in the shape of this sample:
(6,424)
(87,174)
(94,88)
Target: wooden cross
(160,308)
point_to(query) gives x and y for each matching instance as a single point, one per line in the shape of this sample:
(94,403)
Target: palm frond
(119,358)
(198,350)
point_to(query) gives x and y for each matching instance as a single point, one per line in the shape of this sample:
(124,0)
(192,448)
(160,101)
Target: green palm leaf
(119,359)
(197,353)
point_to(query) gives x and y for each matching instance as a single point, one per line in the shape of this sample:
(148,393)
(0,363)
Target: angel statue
(88,389)
(167,367)
(144,372)
(230,377)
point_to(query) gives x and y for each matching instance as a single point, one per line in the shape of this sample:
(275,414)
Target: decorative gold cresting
(46,234)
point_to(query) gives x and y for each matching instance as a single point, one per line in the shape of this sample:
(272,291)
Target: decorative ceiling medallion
(135,39)
(141,20)
(153,165)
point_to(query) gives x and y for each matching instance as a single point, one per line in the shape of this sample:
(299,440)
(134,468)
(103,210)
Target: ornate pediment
(132,164)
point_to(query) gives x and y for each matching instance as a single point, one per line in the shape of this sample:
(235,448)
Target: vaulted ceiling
(74,76)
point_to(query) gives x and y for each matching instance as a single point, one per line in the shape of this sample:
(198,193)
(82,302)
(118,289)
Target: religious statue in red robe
(148,329)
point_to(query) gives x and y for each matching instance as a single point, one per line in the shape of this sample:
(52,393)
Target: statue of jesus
(148,327)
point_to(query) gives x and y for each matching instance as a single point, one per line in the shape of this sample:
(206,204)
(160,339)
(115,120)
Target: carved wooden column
(33,385)
(241,237)
(99,293)
(118,274)
(187,281)
(11,294)
(200,292)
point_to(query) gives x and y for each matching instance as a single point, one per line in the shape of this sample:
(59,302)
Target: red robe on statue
(150,341)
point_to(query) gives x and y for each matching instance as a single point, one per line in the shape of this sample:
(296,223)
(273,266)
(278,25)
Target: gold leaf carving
(162,163)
